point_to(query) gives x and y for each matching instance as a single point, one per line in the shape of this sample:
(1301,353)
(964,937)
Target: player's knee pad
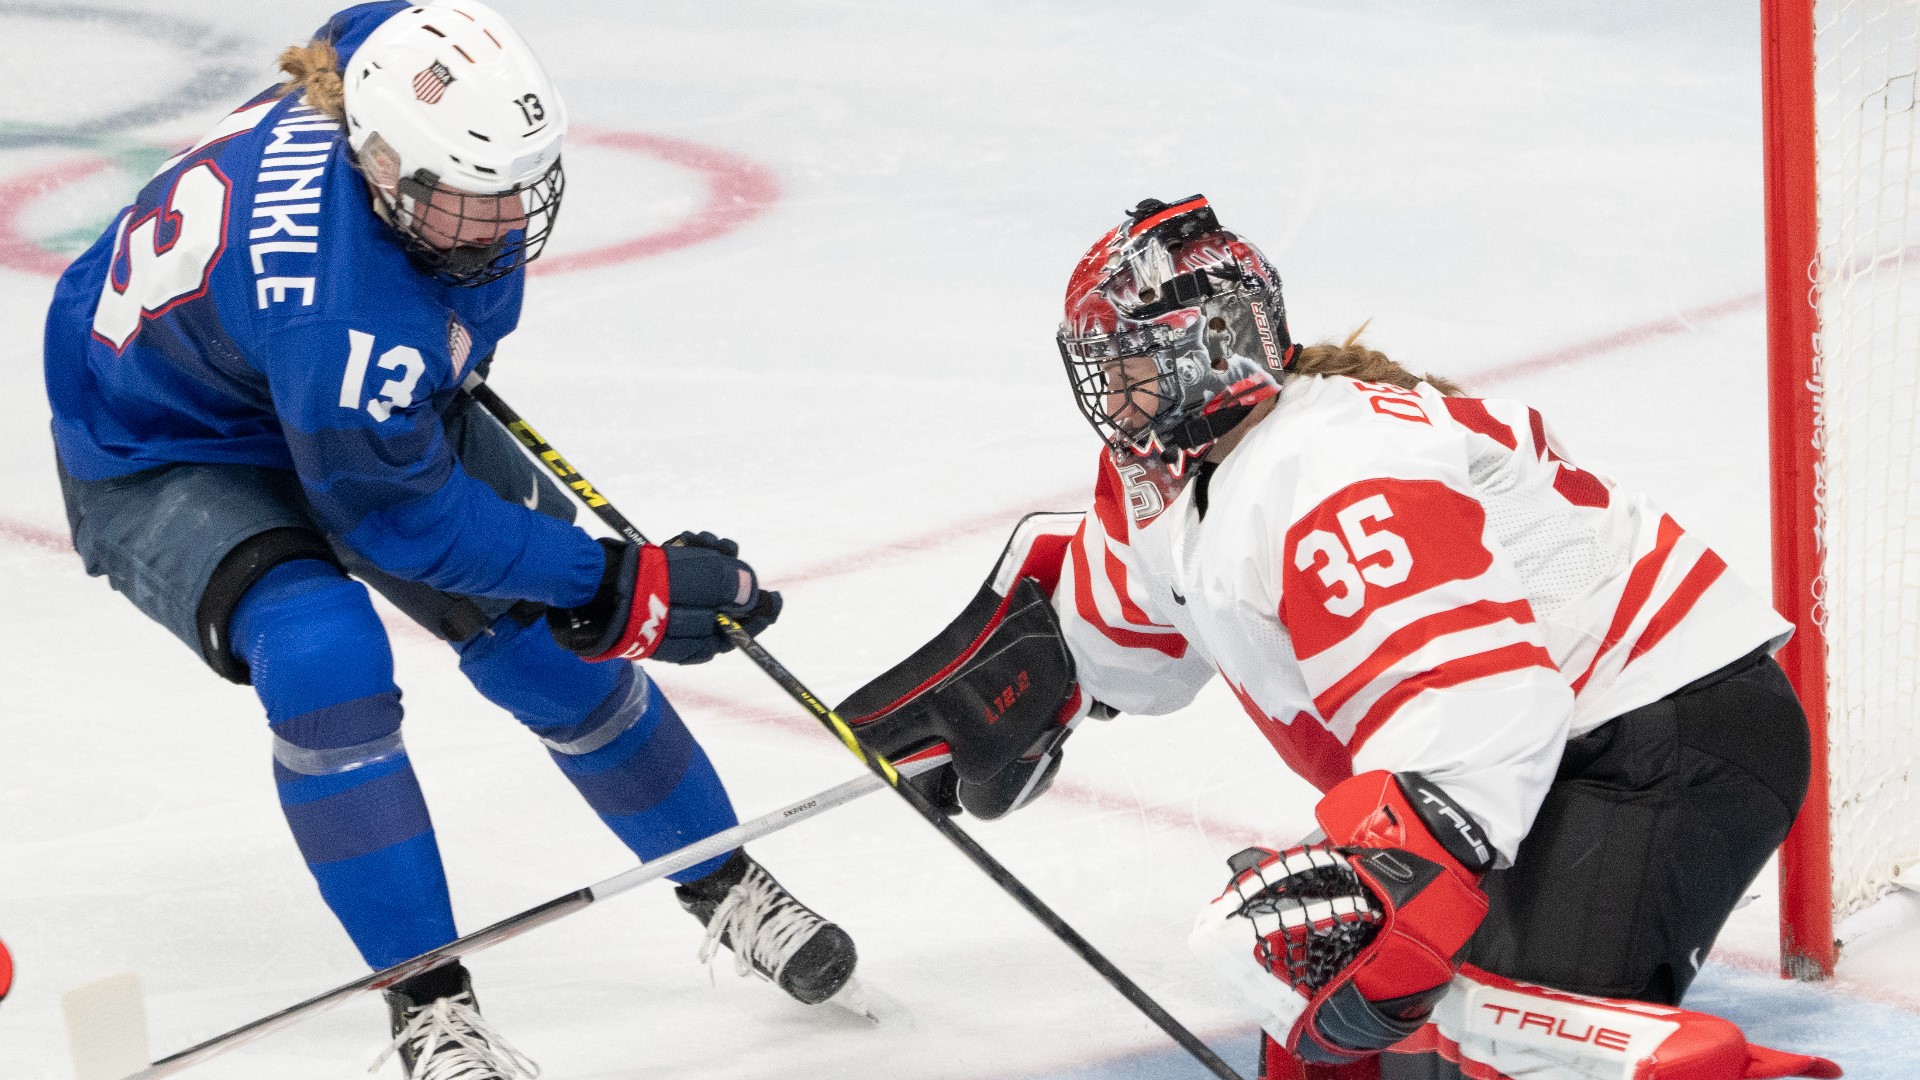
(633,720)
(637,765)
(234,580)
(322,667)
(518,666)
(310,639)
(606,725)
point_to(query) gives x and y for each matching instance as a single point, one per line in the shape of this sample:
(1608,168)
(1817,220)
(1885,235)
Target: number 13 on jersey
(395,393)
(163,258)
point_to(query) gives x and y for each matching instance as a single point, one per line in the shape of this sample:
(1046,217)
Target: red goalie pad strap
(646,612)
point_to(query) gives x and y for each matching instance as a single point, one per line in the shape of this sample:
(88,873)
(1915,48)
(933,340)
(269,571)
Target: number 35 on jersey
(1371,544)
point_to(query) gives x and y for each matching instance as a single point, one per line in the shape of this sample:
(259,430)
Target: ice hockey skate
(440,1034)
(769,932)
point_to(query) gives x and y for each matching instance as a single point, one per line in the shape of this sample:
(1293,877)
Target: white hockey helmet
(456,123)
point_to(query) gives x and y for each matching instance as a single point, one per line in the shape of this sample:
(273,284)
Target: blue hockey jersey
(250,307)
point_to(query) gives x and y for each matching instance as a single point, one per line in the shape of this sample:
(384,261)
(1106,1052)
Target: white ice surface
(860,385)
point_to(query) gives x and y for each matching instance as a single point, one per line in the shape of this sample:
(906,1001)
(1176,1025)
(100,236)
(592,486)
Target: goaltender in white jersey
(1552,743)
(1454,595)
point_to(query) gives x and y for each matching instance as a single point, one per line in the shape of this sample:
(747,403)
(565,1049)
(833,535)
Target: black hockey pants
(1655,825)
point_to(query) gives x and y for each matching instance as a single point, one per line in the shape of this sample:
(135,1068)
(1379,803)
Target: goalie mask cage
(1842,130)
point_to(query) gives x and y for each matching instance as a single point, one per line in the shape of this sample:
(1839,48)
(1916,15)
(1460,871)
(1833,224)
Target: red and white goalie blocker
(1432,615)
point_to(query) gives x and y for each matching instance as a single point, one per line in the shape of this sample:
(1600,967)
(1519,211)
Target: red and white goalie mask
(1174,330)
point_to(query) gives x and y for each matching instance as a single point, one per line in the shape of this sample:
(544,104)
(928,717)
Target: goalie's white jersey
(1395,579)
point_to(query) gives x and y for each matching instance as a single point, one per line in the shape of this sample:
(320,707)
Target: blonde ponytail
(314,68)
(1357,361)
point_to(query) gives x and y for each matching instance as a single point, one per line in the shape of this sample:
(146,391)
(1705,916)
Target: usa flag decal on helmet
(432,82)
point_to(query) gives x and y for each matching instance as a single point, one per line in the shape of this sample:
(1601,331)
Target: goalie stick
(1012,886)
(112,1024)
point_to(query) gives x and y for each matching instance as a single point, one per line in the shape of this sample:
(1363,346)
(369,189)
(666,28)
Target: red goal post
(1841,108)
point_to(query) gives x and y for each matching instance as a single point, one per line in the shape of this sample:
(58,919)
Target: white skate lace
(764,925)
(453,1042)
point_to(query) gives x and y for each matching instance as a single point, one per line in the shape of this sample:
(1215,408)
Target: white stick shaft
(722,842)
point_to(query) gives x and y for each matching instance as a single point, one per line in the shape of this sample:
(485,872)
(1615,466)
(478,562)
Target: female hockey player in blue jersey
(255,378)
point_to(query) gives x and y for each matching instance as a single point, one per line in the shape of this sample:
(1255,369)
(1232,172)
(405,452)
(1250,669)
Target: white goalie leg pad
(1513,1029)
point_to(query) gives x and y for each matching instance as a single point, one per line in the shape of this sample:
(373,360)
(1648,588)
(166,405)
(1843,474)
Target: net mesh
(1867,104)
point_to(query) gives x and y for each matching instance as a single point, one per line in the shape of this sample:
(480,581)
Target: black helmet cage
(469,264)
(1237,336)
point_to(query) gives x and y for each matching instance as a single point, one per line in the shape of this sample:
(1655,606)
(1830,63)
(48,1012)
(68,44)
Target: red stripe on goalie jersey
(1639,590)
(1109,505)
(1171,644)
(1407,640)
(1578,486)
(1698,580)
(1574,484)
(1307,747)
(1452,673)
(1472,414)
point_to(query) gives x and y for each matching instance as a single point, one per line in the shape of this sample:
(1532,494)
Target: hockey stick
(126,1024)
(568,475)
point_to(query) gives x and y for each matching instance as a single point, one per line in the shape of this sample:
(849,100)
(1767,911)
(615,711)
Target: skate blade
(855,998)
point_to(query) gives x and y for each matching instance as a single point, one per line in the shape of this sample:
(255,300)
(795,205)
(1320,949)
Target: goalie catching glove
(1343,947)
(663,602)
(996,686)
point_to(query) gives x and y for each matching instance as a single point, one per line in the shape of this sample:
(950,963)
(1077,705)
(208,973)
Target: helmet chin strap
(1197,435)
(383,207)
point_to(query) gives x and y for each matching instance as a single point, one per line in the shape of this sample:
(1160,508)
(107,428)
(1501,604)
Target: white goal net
(1867,112)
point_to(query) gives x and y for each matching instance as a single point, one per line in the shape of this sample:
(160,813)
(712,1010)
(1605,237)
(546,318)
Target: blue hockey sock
(613,734)
(323,669)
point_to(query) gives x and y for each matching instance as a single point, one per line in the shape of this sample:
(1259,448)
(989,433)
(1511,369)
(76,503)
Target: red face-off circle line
(738,191)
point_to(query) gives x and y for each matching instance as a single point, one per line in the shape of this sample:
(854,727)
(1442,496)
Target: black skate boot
(438,1030)
(770,933)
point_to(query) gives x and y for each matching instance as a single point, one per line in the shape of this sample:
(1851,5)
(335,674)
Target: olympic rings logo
(735,191)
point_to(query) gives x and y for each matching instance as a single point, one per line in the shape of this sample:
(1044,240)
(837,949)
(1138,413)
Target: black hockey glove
(662,602)
(996,687)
